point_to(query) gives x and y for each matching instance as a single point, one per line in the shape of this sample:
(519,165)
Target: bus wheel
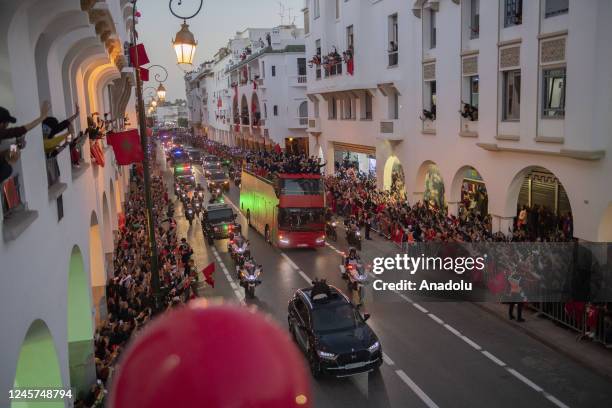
(267,234)
(249,217)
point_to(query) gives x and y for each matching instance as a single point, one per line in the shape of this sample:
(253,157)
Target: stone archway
(96,268)
(244,111)
(393,176)
(537,190)
(38,364)
(468,191)
(255,110)
(429,178)
(80,325)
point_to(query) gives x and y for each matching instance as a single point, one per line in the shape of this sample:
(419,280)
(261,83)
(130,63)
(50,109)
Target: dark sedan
(331,332)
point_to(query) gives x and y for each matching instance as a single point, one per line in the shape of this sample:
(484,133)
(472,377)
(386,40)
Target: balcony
(56,187)
(334,70)
(469,128)
(16,217)
(297,80)
(429,127)
(393,58)
(260,83)
(314,125)
(298,123)
(390,130)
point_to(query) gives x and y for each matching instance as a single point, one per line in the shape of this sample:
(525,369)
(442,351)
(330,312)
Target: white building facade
(57,235)
(535,76)
(254,91)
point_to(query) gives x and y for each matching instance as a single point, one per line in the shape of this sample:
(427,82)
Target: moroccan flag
(208,272)
(138,50)
(144,74)
(126,146)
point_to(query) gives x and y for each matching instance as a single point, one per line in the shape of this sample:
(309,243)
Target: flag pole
(142,124)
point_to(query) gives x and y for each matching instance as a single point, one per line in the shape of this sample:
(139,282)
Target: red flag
(138,50)
(126,146)
(144,74)
(96,152)
(149,132)
(277,149)
(208,272)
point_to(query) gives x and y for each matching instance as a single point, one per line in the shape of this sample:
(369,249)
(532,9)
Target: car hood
(346,341)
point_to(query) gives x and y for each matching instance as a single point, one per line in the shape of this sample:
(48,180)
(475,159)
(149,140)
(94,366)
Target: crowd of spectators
(350,192)
(130,302)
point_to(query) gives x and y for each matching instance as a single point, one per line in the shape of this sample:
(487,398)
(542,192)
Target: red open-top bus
(289,212)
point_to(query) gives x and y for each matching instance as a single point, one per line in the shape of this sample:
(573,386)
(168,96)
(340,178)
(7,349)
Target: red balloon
(218,357)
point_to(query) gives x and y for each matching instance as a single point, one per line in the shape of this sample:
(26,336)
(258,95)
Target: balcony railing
(11,197)
(53,171)
(335,69)
(393,58)
(303,121)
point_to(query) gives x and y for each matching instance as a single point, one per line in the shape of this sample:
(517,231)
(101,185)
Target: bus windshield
(301,219)
(301,186)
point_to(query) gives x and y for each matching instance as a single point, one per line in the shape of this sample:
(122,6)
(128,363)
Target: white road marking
(524,379)
(452,329)
(493,358)
(471,342)
(421,308)
(555,400)
(387,359)
(435,318)
(293,265)
(416,389)
(233,284)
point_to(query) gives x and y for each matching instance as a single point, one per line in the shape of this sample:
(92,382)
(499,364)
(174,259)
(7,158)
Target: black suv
(218,180)
(218,222)
(332,333)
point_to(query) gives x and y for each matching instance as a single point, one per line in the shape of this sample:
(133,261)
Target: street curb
(572,356)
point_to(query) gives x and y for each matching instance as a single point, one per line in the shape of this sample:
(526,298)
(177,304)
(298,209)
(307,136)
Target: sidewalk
(583,351)
(592,355)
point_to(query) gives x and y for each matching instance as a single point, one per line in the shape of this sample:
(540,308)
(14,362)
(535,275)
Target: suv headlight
(374,347)
(326,356)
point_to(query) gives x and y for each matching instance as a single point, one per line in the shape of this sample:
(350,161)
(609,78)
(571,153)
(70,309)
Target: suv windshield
(301,186)
(218,176)
(335,317)
(224,214)
(301,219)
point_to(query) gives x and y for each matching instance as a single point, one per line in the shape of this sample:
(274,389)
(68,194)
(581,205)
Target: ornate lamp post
(184,42)
(161,90)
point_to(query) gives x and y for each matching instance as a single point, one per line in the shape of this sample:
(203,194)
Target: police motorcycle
(353,233)
(354,271)
(330,230)
(189,213)
(249,275)
(239,250)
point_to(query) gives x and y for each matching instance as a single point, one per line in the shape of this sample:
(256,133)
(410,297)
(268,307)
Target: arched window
(303,110)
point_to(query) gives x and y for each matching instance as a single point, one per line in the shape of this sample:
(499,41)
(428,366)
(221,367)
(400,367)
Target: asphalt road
(436,354)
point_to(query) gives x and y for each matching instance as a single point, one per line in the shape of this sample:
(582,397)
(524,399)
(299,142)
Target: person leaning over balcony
(52,127)
(18,132)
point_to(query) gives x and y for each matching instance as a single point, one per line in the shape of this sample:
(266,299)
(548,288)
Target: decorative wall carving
(429,71)
(470,65)
(510,57)
(552,50)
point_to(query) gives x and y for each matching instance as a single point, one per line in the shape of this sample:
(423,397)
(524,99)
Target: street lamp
(161,93)
(161,90)
(184,42)
(154,103)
